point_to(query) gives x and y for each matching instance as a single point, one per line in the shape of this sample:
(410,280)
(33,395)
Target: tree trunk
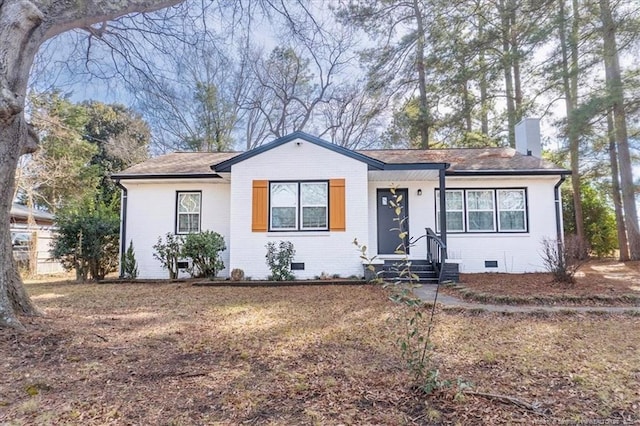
(468,107)
(9,151)
(569,80)
(13,297)
(33,236)
(507,61)
(616,94)
(484,85)
(425,118)
(24,25)
(615,187)
(515,63)
(17,21)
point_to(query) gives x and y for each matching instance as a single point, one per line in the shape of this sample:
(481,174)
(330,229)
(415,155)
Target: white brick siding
(226,209)
(321,251)
(151,213)
(515,253)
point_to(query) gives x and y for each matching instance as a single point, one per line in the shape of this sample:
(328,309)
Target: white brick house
(500,204)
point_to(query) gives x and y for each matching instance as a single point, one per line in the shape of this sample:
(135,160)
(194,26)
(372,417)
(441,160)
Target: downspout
(123,224)
(443,207)
(558,201)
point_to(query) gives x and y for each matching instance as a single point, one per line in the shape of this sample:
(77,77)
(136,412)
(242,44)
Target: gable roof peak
(225,166)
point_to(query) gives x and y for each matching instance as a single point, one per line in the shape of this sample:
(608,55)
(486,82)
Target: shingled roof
(18,211)
(177,164)
(462,160)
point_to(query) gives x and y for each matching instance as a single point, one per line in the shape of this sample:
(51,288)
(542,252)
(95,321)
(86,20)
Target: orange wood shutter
(260,206)
(337,205)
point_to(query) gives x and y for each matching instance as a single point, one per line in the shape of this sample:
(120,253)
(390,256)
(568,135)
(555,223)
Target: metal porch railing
(436,252)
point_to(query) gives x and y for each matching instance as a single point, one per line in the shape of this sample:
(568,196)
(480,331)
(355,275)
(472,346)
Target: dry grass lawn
(176,354)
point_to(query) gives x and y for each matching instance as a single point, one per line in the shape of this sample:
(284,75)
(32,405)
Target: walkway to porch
(427,293)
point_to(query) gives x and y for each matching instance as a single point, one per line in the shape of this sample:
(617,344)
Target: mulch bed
(199,282)
(266,283)
(598,283)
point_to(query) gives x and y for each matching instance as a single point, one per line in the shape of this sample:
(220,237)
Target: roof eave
(416,166)
(35,216)
(118,177)
(538,172)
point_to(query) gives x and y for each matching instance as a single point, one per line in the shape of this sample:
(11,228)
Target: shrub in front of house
(129,263)
(563,258)
(168,252)
(87,240)
(204,251)
(279,259)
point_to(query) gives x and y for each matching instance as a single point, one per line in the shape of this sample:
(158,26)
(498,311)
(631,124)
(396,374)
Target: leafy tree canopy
(81,145)
(599,219)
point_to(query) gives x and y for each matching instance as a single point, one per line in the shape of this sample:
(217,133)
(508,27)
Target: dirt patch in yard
(597,283)
(178,354)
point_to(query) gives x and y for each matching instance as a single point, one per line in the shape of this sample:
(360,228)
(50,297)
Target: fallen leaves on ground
(179,354)
(597,283)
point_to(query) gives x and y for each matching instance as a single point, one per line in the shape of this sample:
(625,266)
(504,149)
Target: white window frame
(198,213)
(448,191)
(295,227)
(497,227)
(325,206)
(492,210)
(523,209)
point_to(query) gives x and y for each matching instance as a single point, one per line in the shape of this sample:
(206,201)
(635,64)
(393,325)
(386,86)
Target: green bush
(599,219)
(168,252)
(279,260)
(129,263)
(87,240)
(204,251)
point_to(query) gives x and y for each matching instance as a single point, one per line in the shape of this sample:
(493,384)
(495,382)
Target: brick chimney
(528,137)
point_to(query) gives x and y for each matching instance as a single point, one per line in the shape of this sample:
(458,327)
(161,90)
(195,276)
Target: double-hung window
(188,212)
(314,198)
(455,210)
(299,206)
(512,212)
(484,210)
(481,211)
(284,206)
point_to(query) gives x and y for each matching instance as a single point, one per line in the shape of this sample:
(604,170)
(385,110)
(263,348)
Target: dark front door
(389,224)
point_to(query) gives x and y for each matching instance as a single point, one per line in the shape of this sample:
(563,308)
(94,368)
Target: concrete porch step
(420,268)
(431,280)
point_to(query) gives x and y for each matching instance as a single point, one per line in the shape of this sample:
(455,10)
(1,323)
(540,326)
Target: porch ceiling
(402,175)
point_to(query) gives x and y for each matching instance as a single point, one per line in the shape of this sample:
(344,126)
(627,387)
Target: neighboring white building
(500,204)
(29,226)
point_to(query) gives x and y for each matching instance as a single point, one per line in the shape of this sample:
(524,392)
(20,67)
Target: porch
(407,202)
(433,269)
